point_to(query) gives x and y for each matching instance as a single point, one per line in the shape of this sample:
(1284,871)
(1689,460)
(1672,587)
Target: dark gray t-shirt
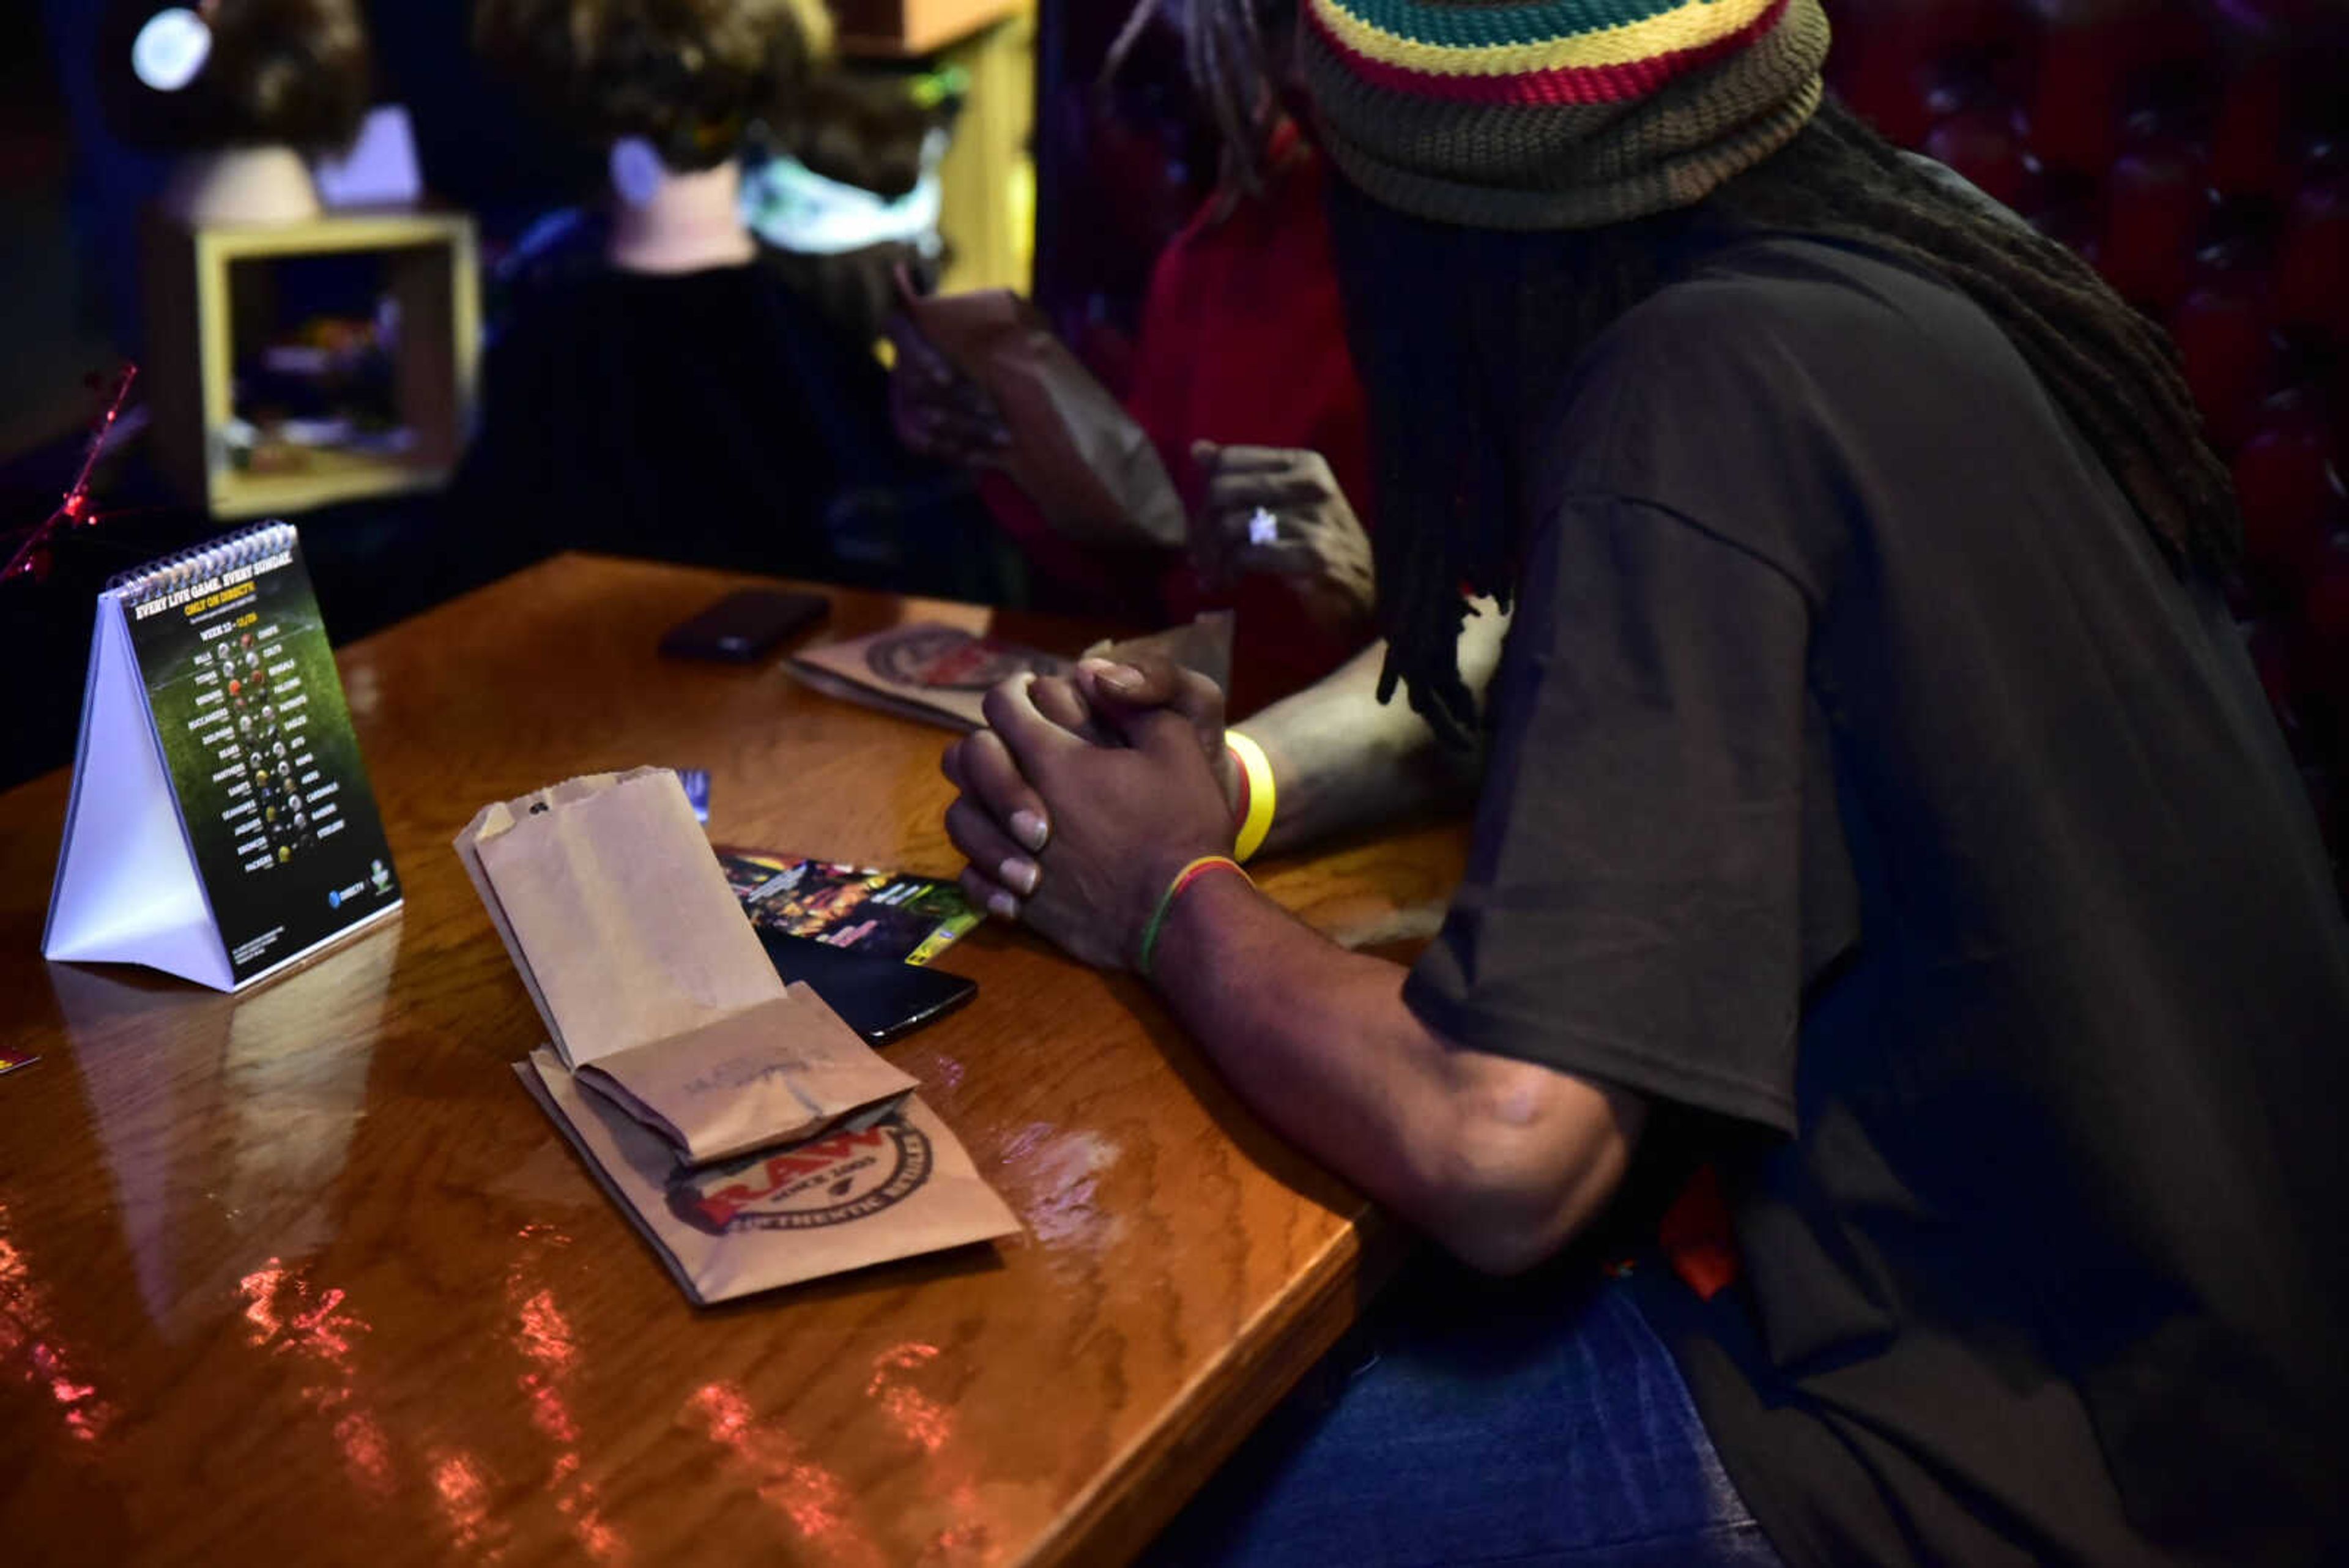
(1867,787)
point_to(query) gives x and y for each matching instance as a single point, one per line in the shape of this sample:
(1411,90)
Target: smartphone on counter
(745,626)
(882,999)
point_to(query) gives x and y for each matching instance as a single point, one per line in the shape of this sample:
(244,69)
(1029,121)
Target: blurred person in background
(677,396)
(1242,380)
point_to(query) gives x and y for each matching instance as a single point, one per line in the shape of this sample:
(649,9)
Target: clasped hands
(1085,794)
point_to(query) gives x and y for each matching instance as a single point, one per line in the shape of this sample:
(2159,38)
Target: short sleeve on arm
(1631,911)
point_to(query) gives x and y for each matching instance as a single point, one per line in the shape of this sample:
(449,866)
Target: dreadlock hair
(1229,60)
(1458,390)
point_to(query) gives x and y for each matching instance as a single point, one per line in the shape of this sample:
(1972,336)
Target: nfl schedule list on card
(213,670)
(247,710)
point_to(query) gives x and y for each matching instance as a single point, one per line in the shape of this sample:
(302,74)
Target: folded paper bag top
(652,982)
(782,1071)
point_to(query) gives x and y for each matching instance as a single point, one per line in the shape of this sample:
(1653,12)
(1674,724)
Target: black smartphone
(745,625)
(882,999)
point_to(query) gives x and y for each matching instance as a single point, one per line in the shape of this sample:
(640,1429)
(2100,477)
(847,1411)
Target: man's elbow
(1515,1189)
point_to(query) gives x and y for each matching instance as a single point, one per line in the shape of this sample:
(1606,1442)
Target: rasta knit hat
(1556,114)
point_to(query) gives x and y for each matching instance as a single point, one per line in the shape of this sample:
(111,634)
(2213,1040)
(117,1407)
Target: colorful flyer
(886,914)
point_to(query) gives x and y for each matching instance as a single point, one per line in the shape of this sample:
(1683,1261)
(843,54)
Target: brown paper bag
(782,1071)
(650,979)
(857,1195)
(1092,469)
(616,911)
(929,673)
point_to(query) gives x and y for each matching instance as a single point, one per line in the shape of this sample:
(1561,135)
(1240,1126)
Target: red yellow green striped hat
(1556,114)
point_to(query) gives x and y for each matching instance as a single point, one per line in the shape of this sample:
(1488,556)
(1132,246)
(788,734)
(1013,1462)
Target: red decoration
(2324,613)
(32,555)
(2156,201)
(2286,481)
(2313,261)
(2223,334)
(2076,110)
(2247,145)
(1981,144)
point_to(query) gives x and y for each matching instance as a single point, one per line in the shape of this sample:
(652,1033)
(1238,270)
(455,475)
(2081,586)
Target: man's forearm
(1341,760)
(1498,1160)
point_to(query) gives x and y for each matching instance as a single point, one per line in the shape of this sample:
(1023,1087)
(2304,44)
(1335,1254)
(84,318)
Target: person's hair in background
(688,76)
(1478,326)
(869,132)
(878,134)
(297,73)
(1233,52)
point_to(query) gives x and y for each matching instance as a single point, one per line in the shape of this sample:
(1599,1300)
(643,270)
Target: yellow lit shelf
(323,478)
(987,183)
(899,28)
(195,332)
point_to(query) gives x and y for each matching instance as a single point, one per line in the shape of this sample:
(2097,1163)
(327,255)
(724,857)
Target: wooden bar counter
(304,1276)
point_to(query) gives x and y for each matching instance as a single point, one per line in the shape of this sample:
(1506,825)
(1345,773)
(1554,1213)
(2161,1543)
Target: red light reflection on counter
(543,1337)
(25,1331)
(464,1494)
(319,1330)
(546,1339)
(922,1420)
(365,1449)
(805,1493)
(928,1425)
(316,1330)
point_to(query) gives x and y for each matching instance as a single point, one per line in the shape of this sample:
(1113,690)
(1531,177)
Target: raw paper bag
(779,1072)
(654,986)
(855,1197)
(1073,448)
(925,671)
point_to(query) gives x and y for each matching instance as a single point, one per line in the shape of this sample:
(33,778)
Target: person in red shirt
(1244,381)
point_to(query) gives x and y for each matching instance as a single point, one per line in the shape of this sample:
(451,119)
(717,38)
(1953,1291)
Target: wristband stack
(1254,821)
(1182,879)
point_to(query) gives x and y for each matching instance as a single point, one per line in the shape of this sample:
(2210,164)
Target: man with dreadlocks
(1874,804)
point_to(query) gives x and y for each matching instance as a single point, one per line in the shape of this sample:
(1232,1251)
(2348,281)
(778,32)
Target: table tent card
(733,1116)
(221,826)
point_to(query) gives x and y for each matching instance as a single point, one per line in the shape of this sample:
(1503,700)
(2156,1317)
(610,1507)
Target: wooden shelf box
(431,273)
(901,27)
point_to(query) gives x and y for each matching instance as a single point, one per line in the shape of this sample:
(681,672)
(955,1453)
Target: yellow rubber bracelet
(1258,770)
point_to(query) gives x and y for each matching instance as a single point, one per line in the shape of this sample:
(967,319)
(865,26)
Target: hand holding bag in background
(1078,454)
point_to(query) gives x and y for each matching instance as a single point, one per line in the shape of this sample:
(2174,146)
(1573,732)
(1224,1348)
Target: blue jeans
(1529,1422)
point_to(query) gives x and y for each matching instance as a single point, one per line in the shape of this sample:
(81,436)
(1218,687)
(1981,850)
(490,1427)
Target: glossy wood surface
(304,1276)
